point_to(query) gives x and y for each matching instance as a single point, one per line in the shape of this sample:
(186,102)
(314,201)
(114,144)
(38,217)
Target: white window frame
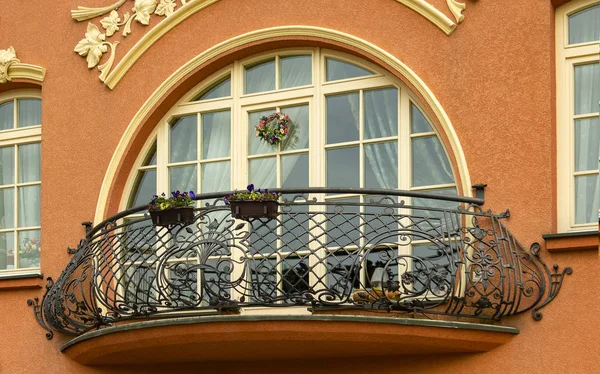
(567,57)
(13,137)
(314,96)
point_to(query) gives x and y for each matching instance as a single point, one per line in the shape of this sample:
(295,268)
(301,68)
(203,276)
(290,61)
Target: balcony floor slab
(264,337)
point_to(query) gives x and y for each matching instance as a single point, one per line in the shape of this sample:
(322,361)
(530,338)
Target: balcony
(378,256)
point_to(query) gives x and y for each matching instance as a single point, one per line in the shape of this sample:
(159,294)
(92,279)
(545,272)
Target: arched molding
(94,45)
(464,180)
(12,68)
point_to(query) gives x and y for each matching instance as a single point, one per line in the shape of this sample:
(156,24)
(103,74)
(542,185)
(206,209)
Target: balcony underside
(256,338)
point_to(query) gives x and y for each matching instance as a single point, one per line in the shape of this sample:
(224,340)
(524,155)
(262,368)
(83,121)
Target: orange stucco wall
(494,77)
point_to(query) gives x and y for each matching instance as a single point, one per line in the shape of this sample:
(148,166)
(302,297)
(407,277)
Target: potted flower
(253,203)
(178,208)
(29,253)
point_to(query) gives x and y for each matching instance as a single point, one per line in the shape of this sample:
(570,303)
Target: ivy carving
(94,45)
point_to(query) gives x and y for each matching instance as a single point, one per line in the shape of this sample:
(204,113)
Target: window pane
(298,136)
(584,26)
(587,88)
(343,167)
(151,156)
(429,162)
(295,71)
(262,172)
(294,171)
(256,145)
(337,70)
(144,187)
(263,275)
(343,226)
(436,222)
(587,198)
(587,144)
(7,206)
(381,165)
(30,112)
(7,115)
(7,250)
(418,122)
(381,113)
(259,78)
(29,163)
(216,177)
(381,220)
(7,163)
(29,249)
(342,118)
(183,139)
(183,178)
(221,89)
(29,206)
(216,134)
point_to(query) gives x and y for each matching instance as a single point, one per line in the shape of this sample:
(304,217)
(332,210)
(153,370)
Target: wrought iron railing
(397,251)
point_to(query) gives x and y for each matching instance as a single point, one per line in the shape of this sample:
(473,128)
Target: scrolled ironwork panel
(372,251)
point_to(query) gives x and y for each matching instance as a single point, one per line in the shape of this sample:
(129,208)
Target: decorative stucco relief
(94,45)
(7,58)
(11,67)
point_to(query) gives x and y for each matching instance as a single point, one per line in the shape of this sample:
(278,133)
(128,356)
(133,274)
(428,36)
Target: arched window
(578,114)
(20,181)
(355,125)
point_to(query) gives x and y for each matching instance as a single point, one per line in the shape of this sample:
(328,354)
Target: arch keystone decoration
(173,12)
(462,179)
(12,68)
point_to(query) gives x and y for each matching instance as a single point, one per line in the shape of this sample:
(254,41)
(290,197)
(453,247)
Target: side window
(20,180)
(578,120)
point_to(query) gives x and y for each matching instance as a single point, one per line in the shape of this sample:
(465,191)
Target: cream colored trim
(27,71)
(420,6)
(566,57)
(432,14)
(328,34)
(11,67)
(152,37)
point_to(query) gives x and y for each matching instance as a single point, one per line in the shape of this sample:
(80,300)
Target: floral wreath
(273,128)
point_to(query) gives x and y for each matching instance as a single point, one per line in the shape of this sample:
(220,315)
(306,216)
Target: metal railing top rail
(306,190)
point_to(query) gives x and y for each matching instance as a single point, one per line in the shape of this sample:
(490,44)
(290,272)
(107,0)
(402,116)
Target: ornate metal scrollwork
(374,252)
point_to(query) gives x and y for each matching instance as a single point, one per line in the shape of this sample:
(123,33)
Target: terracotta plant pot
(172,216)
(254,209)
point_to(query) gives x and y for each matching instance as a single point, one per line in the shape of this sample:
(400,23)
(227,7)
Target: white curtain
(216,143)
(584,26)
(587,143)
(182,139)
(295,71)
(7,115)
(260,78)
(30,112)
(381,120)
(29,197)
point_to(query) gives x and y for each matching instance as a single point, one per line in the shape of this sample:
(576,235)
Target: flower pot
(254,209)
(172,216)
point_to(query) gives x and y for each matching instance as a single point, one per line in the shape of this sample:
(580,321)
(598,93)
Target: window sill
(572,241)
(15,281)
